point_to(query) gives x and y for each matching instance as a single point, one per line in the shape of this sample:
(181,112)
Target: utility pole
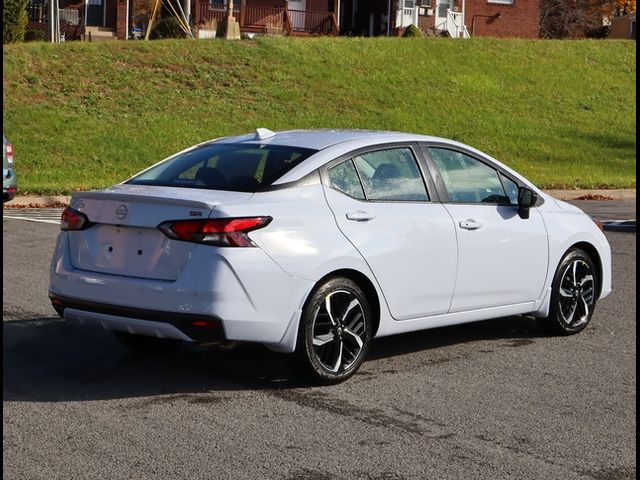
(187,11)
(57,24)
(51,21)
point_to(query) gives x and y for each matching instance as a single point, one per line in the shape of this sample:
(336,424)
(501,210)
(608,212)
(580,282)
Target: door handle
(470,224)
(360,216)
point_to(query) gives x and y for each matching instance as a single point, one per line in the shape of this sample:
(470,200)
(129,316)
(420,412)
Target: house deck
(274,20)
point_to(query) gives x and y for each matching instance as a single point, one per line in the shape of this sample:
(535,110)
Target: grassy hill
(86,115)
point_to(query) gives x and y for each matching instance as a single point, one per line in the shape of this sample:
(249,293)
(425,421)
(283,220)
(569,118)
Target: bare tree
(578,18)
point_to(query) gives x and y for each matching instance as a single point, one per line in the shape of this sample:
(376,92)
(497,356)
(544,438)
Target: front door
(297,13)
(381,205)
(407,14)
(441,13)
(95,13)
(502,258)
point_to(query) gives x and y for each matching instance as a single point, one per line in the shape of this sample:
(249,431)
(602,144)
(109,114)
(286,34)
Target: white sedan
(316,242)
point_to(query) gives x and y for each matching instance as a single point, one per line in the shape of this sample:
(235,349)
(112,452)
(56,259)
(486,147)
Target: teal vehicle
(9,185)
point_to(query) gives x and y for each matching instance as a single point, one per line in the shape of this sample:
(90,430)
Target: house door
(95,13)
(407,14)
(441,13)
(297,13)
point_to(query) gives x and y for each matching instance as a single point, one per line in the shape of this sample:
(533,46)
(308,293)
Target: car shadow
(49,359)
(517,331)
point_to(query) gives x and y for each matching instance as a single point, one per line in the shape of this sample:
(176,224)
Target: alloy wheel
(576,293)
(339,331)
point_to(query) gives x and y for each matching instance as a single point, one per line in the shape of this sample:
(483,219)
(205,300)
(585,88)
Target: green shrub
(413,31)
(35,36)
(168,27)
(14,20)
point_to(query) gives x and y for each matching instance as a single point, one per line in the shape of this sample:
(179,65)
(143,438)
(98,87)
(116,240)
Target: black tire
(142,343)
(345,333)
(573,294)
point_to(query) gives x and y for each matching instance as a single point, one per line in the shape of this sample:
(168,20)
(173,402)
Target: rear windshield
(219,166)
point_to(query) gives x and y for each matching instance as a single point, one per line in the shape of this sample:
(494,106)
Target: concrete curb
(620,226)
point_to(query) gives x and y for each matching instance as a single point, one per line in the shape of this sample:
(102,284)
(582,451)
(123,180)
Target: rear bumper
(152,323)
(241,289)
(8,194)
(9,186)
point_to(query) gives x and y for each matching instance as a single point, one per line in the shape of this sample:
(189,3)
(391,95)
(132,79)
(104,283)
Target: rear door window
(344,178)
(391,175)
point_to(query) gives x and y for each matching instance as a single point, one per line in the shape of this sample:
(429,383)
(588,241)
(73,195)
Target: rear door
(381,204)
(502,257)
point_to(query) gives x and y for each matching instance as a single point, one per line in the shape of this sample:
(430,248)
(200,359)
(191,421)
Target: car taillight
(9,149)
(221,232)
(73,220)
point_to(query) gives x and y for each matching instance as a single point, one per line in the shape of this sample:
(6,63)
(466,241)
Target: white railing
(70,15)
(455,25)
(406,17)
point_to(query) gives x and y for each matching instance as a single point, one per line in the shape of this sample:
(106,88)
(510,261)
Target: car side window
(343,177)
(391,175)
(512,189)
(468,180)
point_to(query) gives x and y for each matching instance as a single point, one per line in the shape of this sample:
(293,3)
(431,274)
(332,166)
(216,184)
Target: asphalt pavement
(491,400)
(617,215)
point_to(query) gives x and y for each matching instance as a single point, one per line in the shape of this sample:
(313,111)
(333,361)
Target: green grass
(86,115)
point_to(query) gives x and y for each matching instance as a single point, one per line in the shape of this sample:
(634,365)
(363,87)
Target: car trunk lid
(124,238)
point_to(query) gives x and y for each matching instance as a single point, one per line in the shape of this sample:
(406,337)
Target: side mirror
(526,199)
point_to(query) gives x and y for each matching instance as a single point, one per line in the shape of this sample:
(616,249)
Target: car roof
(332,143)
(319,139)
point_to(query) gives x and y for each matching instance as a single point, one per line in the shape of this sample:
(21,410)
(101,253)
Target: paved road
(497,400)
(41,215)
(608,209)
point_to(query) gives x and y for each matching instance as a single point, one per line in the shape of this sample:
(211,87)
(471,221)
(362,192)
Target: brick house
(501,18)
(455,18)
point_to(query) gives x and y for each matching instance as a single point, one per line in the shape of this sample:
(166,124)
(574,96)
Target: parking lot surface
(497,399)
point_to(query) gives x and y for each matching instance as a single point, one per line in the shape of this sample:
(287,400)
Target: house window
(425,3)
(501,2)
